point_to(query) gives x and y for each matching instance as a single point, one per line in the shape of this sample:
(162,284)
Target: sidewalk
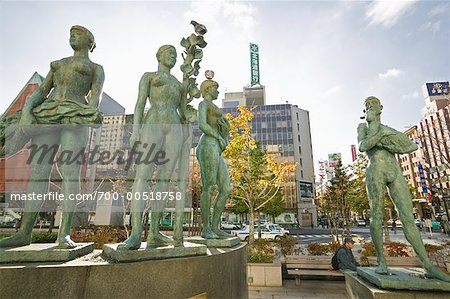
(309,289)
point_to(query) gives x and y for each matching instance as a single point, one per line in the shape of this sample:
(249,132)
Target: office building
(433,130)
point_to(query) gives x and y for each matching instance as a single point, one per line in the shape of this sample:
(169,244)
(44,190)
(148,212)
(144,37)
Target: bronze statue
(215,128)
(69,95)
(382,143)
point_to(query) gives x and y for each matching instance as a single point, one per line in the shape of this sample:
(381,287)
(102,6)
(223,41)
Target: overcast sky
(325,57)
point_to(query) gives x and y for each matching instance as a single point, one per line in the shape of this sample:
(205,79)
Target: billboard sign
(333,159)
(422,178)
(354,156)
(438,88)
(306,190)
(254,63)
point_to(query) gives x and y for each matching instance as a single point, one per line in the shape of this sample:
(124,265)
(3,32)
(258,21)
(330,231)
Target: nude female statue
(213,168)
(381,143)
(160,126)
(69,95)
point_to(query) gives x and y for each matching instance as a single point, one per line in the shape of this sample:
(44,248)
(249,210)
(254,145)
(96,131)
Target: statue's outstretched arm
(96,86)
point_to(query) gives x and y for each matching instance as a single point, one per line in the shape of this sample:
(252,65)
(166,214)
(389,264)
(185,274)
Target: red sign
(354,157)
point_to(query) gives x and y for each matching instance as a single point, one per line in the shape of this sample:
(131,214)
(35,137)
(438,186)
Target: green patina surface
(381,143)
(69,95)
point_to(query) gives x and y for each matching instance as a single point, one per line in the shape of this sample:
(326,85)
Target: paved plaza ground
(313,289)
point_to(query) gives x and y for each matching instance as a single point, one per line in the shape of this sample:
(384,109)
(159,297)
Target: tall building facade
(414,170)
(251,96)
(433,130)
(284,131)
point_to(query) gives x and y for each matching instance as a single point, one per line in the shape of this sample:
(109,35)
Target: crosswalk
(311,236)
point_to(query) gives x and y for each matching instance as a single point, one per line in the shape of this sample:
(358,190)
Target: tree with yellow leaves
(256,176)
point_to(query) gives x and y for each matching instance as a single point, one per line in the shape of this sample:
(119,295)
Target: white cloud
(386,12)
(390,73)
(241,15)
(413,95)
(437,10)
(434,27)
(332,90)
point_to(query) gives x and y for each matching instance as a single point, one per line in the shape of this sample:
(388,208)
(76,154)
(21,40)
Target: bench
(300,265)
(397,261)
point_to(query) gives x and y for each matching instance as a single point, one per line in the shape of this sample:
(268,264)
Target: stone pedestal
(144,253)
(215,243)
(221,273)
(43,252)
(359,288)
(403,279)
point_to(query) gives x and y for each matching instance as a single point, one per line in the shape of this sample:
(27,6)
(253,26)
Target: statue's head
(167,55)
(372,109)
(81,37)
(208,88)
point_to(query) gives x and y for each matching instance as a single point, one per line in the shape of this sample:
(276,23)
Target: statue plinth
(43,252)
(219,274)
(403,279)
(144,253)
(405,283)
(215,243)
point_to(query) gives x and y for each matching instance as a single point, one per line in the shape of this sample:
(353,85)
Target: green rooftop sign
(254,63)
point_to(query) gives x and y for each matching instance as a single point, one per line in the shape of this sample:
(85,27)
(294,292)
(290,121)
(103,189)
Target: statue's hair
(372,98)
(206,85)
(163,49)
(89,34)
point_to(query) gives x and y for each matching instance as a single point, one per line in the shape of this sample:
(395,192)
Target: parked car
(361,222)
(229,225)
(274,226)
(267,232)
(397,222)
(11,223)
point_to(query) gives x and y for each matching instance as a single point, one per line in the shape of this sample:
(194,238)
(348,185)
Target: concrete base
(144,253)
(264,275)
(357,288)
(403,279)
(216,243)
(219,274)
(43,252)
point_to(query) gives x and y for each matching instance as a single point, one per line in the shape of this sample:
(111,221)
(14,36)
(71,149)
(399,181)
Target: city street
(307,235)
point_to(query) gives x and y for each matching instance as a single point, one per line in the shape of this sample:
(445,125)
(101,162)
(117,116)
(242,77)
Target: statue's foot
(222,234)
(178,241)
(382,269)
(158,240)
(65,242)
(434,272)
(17,240)
(132,243)
(209,234)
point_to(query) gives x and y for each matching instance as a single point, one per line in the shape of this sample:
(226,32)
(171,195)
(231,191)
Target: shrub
(430,248)
(395,249)
(261,246)
(100,235)
(334,246)
(259,257)
(261,251)
(44,237)
(287,245)
(318,248)
(368,250)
